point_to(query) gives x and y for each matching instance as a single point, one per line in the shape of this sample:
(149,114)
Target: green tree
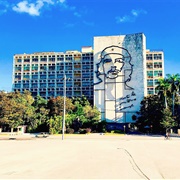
(167,121)
(80,100)
(150,113)
(56,106)
(15,108)
(163,87)
(91,113)
(174,81)
(55,124)
(39,123)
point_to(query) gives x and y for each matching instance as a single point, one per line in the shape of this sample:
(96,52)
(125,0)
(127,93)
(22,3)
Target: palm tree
(174,81)
(163,87)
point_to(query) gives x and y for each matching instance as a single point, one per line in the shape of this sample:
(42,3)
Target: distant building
(155,69)
(42,73)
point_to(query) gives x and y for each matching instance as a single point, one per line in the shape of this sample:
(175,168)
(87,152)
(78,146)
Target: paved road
(90,157)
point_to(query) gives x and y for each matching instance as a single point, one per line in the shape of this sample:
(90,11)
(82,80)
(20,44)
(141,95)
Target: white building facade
(43,73)
(119,76)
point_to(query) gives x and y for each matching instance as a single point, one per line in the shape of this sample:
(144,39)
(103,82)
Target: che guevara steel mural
(115,64)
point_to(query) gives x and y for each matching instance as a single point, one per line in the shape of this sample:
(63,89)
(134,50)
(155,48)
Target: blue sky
(28,26)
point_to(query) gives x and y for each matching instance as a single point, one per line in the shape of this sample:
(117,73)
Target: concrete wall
(119,76)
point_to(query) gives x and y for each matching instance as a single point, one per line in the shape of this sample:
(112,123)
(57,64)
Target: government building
(115,74)
(43,73)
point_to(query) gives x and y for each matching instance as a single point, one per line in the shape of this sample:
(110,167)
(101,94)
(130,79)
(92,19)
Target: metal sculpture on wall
(126,102)
(115,63)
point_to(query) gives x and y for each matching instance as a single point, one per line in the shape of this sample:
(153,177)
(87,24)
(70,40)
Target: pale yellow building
(154,68)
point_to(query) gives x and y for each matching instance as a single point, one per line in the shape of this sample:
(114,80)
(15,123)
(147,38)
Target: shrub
(69,131)
(88,130)
(118,131)
(82,131)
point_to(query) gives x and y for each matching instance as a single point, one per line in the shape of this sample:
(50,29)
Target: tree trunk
(165,102)
(173,103)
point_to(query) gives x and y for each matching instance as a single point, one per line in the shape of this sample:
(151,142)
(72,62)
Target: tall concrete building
(120,76)
(43,73)
(155,69)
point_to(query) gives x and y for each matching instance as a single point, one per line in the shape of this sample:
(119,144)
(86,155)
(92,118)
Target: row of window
(154,56)
(52,59)
(52,76)
(151,74)
(44,85)
(151,82)
(55,80)
(60,93)
(53,68)
(155,65)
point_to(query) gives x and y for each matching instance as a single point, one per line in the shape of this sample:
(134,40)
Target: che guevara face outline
(113,64)
(114,60)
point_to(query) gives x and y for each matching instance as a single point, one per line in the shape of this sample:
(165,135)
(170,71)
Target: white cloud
(77,14)
(35,7)
(88,23)
(123,19)
(62,1)
(69,25)
(130,18)
(32,9)
(138,12)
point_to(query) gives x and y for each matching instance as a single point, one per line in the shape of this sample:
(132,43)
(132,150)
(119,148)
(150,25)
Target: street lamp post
(124,129)
(64,109)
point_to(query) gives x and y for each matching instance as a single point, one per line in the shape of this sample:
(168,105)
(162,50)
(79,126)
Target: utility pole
(64,110)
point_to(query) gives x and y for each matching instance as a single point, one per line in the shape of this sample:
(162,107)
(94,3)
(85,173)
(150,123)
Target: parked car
(42,135)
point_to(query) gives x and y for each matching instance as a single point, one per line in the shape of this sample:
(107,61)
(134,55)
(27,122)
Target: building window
(51,85)
(43,85)
(25,85)
(17,85)
(150,74)
(42,76)
(158,73)
(60,58)
(26,60)
(156,81)
(19,60)
(59,93)
(77,66)
(26,68)
(150,82)
(60,68)
(158,56)
(43,59)
(158,65)
(34,67)
(43,67)
(52,67)
(34,76)
(77,93)
(149,56)
(34,85)
(35,59)
(51,93)
(52,59)
(51,76)
(149,65)
(18,68)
